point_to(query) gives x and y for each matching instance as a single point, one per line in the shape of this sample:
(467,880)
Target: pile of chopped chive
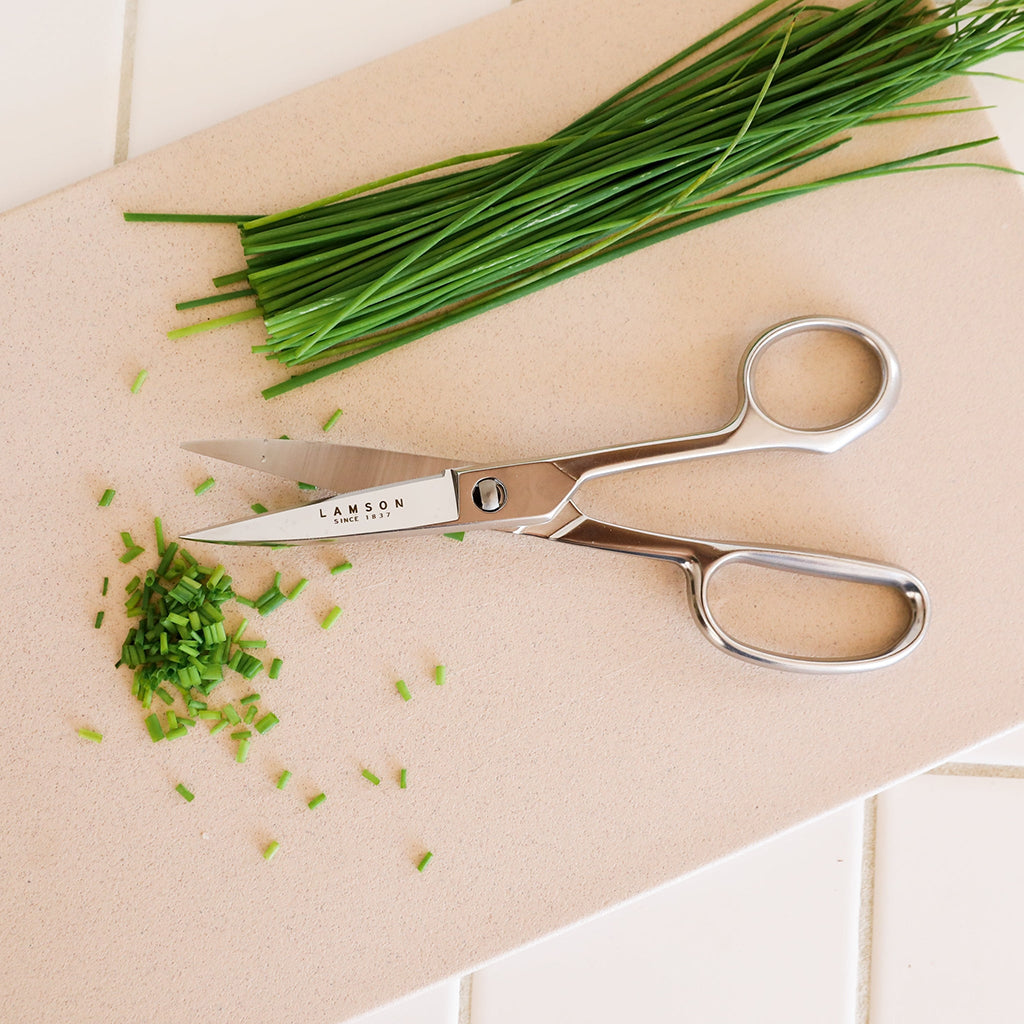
(705,135)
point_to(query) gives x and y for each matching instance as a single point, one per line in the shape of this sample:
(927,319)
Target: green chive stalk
(708,134)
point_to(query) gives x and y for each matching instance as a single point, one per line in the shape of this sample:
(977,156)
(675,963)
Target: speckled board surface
(588,744)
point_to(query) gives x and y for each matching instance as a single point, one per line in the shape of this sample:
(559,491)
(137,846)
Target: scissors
(384,493)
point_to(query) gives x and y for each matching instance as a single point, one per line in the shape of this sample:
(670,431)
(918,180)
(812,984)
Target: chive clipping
(282,779)
(330,618)
(424,861)
(258,508)
(266,723)
(403,690)
(156,731)
(91,734)
(107,497)
(268,853)
(106,584)
(250,699)
(306,487)
(139,381)
(317,801)
(98,620)
(205,485)
(456,535)
(243,750)
(297,589)
(401,779)
(275,668)
(367,774)
(332,419)
(440,674)
(341,568)
(189,796)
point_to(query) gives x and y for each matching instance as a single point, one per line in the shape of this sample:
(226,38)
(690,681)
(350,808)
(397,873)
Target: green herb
(424,861)
(208,300)
(230,714)
(156,731)
(440,673)
(243,750)
(106,583)
(403,690)
(367,774)
(456,535)
(139,381)
(158,532)
(258,508)
(250,699)
(99,620)
(306,487)
(91,734)
(317,800)
(268,853)
(297,589)
(332,419)
(177,732)
(704,136)
(184,792)
(217,728)
(107,497)
(266,723)
(341,568)
(275,668)
(401,779)
(283,778)
(330,617)
(205,485)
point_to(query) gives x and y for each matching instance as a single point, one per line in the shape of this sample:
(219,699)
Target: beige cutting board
(588,744)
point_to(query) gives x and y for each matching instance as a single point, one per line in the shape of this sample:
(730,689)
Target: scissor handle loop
(755,427)
(707,561)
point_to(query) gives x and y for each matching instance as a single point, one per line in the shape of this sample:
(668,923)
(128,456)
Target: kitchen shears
(382,493)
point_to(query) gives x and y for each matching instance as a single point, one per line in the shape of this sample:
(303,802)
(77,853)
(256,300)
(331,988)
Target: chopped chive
(177,732)
(269,852)
(172,719)
(139,381)
(106,583)
(242,734)
(250,714)
(90,734)
(217,728)
(331,616)
(131,553)
(252,644)
(403,690)
(237,635)
(332,419)
(99,620)
(184,792)
(367,774)
(205,485)
(424,861)
(275,668)
(243,751)
(341,568)
(107,497)
(131,585)
(440,672)
(187,722)
(209,715)
(251,699)
(297,589)
(258,508)
(158,530)
(317,801)
(401,779)
(230,714)
(283,778)
(156,731)
(457,535)
(266,723)
(164,695)
(306,487)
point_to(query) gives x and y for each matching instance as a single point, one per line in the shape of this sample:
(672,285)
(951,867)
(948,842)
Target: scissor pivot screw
(489,494)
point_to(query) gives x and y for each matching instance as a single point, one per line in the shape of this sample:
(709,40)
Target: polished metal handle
(753,428)
(701,560)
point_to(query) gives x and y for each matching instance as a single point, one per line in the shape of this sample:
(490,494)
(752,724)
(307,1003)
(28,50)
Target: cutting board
(588,745)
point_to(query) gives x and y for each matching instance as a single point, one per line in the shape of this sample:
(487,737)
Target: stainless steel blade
(333,467)
(410,506)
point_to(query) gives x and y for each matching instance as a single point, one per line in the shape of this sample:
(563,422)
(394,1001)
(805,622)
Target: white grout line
(465,998)
(986,771)
(124,93)
(867,911)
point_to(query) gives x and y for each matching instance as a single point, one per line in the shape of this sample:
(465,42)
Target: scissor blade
(401,507)
(333,467)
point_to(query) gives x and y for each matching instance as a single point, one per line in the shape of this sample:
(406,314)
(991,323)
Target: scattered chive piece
(258,508)
(209,715)
(297,589)
(90,734)
(99,620)
(190,218)
(331,616)
(401,779)
(283,779)
(306,487)
(131,586)
(317,800)
(158,530)
(184,792)
(243,750)
(275,668)
(131,553)
(156,731)
(440,672)
(187,722)
(424,861)
(205,485)
(252,698)
(251,714)
(222,724)
(367,774)
(107,498)
(457,535)
(177,733)
(139,381)
(332,419)
(341,568)
(242,734)
(403,690)
(266,723)
(164,695)
(230,714)
(106,583)
(237,635)
(269,852)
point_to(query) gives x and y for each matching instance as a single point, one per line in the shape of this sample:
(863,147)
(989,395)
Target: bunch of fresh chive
(703,136)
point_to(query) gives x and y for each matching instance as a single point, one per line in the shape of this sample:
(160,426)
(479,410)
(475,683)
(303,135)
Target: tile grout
(465,998)
(124,92)
(865,929)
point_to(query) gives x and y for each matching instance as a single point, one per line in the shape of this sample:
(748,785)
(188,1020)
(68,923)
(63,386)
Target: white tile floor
(903,910)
